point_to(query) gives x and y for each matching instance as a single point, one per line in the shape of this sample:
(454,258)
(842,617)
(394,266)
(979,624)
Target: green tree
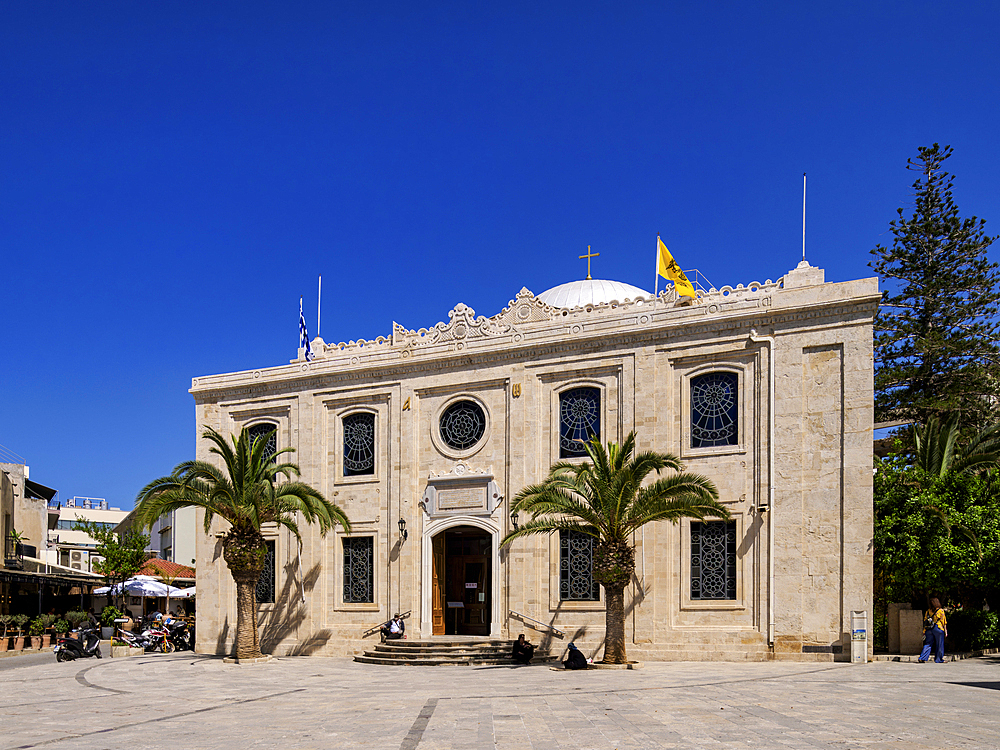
(124,554)
(936,332)
(936,534)
(606,499)
(247,492)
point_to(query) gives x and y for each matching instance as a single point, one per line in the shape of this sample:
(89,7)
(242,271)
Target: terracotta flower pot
(36,641)
(18,642)
(3,644)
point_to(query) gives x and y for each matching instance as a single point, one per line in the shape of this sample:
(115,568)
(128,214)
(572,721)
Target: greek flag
(304,334)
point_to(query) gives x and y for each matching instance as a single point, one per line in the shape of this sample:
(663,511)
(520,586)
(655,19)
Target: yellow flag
(667,268)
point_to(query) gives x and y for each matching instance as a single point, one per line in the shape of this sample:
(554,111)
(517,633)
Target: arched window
(463,424)
(264,431)
(579,420)
(359,444)
(714,409)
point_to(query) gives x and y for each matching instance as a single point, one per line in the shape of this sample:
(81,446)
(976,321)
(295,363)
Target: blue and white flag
(304,334)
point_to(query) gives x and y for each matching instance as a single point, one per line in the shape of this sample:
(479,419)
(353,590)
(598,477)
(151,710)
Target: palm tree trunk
(247,641)
(614,625)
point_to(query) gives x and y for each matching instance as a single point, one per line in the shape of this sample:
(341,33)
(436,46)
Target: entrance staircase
(447,651)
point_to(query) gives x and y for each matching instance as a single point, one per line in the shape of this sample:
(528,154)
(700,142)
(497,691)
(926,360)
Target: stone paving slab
(189,701)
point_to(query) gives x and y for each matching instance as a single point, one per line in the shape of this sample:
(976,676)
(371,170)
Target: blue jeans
(933,639)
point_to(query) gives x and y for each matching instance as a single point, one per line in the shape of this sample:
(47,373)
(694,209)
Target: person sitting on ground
(575,658)
(393,629)
(522,650)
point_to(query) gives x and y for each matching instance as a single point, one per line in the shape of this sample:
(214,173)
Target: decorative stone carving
(462,491)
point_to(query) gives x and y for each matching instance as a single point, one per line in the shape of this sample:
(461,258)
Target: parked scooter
(88,644)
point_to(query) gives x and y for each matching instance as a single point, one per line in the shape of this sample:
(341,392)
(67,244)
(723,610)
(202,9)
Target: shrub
(973,629)
(76,617)
(19,621)
(109,615)
(61,626)
(37,626)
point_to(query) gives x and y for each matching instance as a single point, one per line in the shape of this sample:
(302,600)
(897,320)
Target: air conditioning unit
(76,556)
(76,566)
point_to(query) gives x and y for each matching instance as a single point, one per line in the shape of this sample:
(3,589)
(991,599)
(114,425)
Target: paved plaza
(189,701)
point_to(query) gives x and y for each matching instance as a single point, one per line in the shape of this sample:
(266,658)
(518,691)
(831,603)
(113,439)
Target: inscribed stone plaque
(461,498)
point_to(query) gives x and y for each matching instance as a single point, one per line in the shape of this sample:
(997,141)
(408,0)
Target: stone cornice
(542,331)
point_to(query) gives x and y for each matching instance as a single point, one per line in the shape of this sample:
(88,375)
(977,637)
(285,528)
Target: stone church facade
(425,436)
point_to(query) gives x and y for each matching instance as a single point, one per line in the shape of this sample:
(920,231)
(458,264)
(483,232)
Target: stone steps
(443,653)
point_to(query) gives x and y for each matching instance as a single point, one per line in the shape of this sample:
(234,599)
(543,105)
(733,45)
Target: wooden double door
(463,562)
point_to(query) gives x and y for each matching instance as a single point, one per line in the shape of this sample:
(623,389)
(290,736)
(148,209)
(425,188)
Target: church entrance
(462,581)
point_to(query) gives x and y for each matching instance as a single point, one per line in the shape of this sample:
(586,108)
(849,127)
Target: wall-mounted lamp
(402,528)
(513,519)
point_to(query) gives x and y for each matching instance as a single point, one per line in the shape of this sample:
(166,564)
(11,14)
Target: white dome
(590,292)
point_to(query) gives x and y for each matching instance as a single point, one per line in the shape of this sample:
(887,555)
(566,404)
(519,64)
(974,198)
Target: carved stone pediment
(525,308)
(462,491)
(462,325)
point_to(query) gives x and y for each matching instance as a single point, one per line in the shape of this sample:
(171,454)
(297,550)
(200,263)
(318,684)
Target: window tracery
(714,410)
(359,444)
(463,424)
(579,420)
(713,560)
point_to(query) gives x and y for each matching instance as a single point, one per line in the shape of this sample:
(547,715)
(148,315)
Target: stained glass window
(576,567)
(264,431)
(714,409)
(265,584)
(463,424)
(359,571)
(579,420)
(713,560)
(359,444)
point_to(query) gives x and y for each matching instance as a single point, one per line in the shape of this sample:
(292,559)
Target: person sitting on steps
(393,629)
(522,651)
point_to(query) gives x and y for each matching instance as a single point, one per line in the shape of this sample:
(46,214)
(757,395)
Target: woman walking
(935,630)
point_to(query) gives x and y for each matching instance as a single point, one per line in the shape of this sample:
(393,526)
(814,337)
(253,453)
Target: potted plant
(19,621)
(4,625)
(61,626)
(108,617)
(35,629)
(47,635)
(75,618)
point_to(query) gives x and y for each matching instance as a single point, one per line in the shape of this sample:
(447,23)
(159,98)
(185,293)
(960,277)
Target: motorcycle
(86,645)
(179,635)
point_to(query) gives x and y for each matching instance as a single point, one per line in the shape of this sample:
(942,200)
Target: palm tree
(938,452)
(605,498)
(247,493)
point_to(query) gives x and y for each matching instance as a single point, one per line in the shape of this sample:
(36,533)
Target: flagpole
(656,275)
(319,301)
(803,216)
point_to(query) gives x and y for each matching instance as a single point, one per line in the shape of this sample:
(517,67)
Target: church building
(425,436)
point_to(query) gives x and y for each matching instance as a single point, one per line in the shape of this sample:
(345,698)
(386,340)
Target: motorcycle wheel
(98,653)
(168,647)
(60,656)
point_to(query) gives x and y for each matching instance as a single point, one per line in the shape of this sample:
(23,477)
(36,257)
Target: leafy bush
(37,626)
(47,621)
(19,621)
(973,629)
(109,615)
(61,626)
(76,617)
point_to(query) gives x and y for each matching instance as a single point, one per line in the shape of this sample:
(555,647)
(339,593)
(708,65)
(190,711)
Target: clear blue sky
(173,176)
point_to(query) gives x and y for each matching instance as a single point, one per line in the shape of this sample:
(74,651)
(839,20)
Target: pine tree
(936,333)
